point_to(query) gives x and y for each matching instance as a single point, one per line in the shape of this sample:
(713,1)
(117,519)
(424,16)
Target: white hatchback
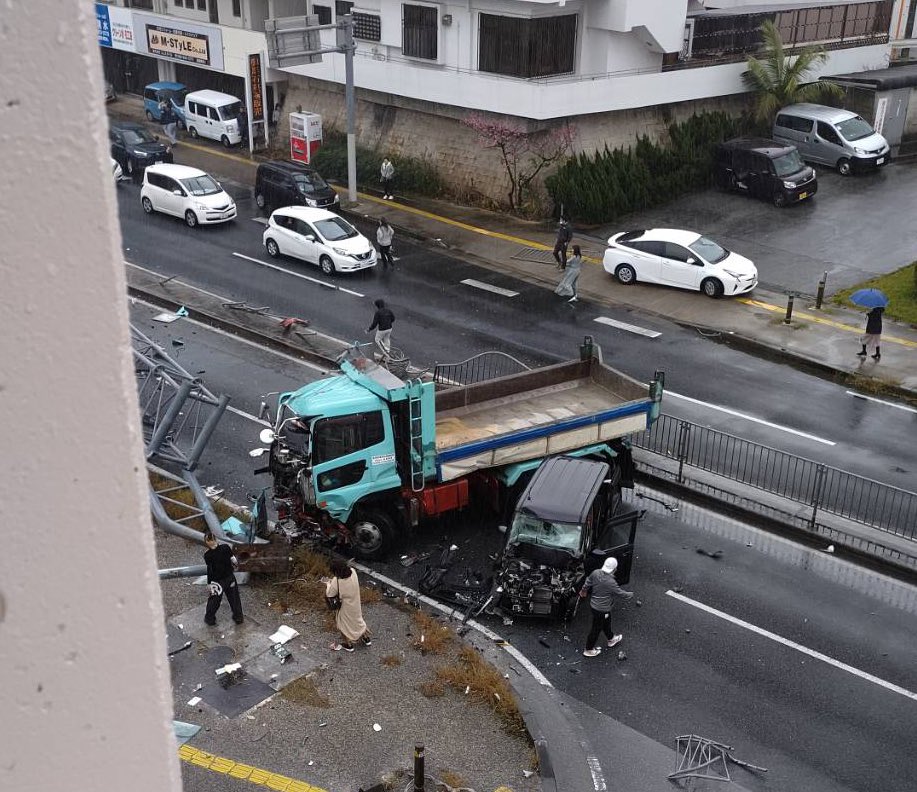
(319,237)
(185,192)
(678,258)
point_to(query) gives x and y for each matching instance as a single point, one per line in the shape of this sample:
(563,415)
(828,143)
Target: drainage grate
(547,256)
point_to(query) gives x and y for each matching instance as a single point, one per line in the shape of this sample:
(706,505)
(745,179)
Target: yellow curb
(217,153)
(254,775)
(806,316)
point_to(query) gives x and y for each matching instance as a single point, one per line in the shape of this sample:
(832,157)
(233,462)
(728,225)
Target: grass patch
(181,504)
(430,635)
(391,661)
(452,779)
(432,688)
(485,685)
(304,691)
(900,287)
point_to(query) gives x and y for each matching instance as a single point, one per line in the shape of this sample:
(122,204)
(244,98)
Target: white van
(213,115)
(185,192)
(833,137)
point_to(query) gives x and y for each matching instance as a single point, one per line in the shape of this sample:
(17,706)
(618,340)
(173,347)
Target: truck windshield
(534,530)
(788,164)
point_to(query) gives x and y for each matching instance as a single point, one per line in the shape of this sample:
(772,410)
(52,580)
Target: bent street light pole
(351,109)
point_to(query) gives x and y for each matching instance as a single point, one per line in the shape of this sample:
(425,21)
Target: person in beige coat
(349,617)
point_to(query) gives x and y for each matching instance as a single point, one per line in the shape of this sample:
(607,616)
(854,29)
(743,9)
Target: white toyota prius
(684,259)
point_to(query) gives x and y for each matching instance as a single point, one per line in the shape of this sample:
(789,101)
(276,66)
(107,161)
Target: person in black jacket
(873,333)
(221,578)
(564,235)
(383,319)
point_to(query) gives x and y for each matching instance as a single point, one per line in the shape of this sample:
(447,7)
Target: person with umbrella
(876,301)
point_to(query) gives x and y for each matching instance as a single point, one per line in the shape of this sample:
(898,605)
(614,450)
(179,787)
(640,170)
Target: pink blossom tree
(524,154)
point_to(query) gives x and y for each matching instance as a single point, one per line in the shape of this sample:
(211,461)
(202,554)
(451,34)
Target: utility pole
(348,48)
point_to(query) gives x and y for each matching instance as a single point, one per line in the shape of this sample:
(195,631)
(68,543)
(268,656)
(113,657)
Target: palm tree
(779,79)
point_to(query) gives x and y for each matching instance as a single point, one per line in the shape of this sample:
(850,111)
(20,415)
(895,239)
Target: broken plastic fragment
(193,702)
(377,727)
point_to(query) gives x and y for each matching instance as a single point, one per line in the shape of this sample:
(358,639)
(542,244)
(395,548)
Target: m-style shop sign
(174,39)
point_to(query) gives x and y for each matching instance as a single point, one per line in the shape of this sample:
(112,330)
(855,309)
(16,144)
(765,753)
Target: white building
(616,67)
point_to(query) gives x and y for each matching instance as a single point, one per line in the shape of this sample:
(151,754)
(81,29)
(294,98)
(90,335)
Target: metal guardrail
(480,368)
(820,487)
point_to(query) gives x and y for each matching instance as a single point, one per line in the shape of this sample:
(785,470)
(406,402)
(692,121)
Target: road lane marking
(628,327)
(259,220)
(793,645)
(752,418)
(880,401)
(320,282)
(249,416)
(244,772)
(488,287)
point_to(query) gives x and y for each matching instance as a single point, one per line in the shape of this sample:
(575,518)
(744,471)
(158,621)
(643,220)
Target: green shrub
(412,174)
(600,187)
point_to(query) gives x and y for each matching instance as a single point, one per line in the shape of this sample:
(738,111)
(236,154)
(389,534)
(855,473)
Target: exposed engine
(534,589)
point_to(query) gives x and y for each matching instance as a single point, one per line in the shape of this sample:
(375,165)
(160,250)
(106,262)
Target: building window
(527,48)
(420,31)
(237,8)
(342,8)
(367,27)
(147,4)
(202,5)
(323,13)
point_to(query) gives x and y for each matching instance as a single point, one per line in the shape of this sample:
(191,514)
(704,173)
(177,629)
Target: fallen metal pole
(185,571)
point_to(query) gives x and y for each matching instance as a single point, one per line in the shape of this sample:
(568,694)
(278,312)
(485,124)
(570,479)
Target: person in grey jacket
(601,588)
(384,235)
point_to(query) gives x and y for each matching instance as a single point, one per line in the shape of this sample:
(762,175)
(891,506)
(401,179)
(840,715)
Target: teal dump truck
(364,457)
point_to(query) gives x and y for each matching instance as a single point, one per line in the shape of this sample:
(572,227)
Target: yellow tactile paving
(245,772)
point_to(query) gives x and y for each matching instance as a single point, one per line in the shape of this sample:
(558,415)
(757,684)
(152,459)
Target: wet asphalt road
(815,726)
(440,319)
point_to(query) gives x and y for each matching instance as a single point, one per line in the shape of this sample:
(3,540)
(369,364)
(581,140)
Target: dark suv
(134,148)
(764,168)
(281,183)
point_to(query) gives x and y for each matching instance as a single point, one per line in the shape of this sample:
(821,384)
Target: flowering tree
(524,154)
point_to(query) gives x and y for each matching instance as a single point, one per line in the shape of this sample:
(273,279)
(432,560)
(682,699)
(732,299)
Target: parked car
(764,168)
(828,135)
(173,92)
(116,172)
(186,192)
(319,237)
(135,148)
(213,115)
(286,183)
(678,258)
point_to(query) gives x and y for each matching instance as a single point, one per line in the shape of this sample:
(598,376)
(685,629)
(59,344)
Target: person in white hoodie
(384,236)
(386,175)
(601,588)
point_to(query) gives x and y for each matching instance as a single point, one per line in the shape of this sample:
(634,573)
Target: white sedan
(319,237)
(678,258)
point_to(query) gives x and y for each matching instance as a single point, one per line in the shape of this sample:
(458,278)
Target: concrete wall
(85,701)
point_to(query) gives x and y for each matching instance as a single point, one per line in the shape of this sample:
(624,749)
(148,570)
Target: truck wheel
(372,534)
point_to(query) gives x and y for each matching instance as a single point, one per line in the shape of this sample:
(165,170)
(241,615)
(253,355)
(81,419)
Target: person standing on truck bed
(601,587)
(383,319)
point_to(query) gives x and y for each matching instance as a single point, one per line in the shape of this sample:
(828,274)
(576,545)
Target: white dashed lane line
(881,401)
(628,327)
(489,287)
(320,282)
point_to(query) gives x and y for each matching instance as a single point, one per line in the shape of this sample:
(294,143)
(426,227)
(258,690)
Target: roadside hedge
(412,174)
(602,186)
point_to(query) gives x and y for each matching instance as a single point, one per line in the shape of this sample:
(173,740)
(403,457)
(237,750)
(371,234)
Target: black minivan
(282,183)
(764,168)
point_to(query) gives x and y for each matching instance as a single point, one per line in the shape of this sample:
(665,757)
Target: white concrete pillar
(84,685)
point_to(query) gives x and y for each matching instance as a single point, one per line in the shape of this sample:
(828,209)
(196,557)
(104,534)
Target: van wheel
(149,116)
(372,533)
(225,141)
(779,198)
(625,274)
(259,200)
(192,131)
(272,248)
(843,167)
(327,265)
(191,219)
(147,205)
(712,288)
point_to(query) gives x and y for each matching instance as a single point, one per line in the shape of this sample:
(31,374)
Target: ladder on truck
(415,434)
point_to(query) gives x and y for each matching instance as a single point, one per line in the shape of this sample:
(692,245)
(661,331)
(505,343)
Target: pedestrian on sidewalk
(384,236)
(221,578)
(601,588)
(349,617)
(386,176)
(242,120)
(383,319)
(873,336)
(564,235)
(567,285)
(169,121)
(275,117)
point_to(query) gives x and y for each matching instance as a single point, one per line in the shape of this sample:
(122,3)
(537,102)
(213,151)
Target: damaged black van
(563,527)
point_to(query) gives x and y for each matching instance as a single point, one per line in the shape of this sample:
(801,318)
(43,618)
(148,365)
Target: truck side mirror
(502,529)
(256,452)
(267,436)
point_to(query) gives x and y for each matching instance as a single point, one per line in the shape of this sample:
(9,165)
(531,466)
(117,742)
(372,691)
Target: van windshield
(546,533)
(309,184)
(709,250)
(788,164)
(230,111)
(335,229)
(176,96)
(854,129)
(201,185)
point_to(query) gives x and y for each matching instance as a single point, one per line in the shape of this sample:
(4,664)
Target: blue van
(155,92)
